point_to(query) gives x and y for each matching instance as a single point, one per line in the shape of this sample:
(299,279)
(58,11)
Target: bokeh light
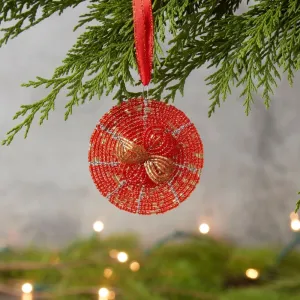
(27,288)
(103,292)
(295,225)
(204,228)
(122,257)
(252,273)
(98,226)
(108,273)
(134,266)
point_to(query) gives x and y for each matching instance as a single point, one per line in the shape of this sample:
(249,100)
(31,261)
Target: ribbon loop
(143,37)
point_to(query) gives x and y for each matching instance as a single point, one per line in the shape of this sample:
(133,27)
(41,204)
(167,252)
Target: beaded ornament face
(145,156)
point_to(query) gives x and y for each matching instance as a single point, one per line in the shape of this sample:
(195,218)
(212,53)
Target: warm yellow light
(27,288)
(122,257)
(204,228)
(295,225)
(113,253)
(103,292)
(111,295)
(134,266)
(108,272)
(98,226)
(252,273)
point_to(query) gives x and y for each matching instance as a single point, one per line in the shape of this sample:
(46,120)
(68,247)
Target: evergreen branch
(96,58)
(247,50)
(297,204)
(189,48)
(251,57)
(25,13)
(101,60)
(44,106)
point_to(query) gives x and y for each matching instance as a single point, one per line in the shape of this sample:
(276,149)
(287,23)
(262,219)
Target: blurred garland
(44,291)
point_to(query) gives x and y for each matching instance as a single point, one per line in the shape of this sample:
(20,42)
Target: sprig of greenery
(259,45)
(100,62)
(102,59)
(188,50)
(24,14)
(297,204)
(248,50)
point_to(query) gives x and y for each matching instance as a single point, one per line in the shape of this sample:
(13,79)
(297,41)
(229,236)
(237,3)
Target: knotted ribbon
(158,168)
(143,37)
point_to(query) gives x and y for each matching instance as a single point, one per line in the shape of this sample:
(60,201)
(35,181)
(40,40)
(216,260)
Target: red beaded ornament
(145,156)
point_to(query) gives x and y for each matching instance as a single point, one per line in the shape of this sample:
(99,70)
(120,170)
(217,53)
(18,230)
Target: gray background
(247,190)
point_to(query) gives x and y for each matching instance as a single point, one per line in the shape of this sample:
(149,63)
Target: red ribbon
(143,37)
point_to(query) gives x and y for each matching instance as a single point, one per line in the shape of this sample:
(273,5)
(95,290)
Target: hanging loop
(143,38)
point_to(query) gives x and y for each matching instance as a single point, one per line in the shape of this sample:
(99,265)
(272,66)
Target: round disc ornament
(145,156)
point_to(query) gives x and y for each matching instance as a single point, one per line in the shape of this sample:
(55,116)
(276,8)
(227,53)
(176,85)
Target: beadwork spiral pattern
(145,156)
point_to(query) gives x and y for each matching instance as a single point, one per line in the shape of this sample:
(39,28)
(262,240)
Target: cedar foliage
(250,50)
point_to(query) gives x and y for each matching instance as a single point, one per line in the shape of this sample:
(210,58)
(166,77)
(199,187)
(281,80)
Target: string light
(252,274)
(295,225)
(103,293)
(134,266)
(98,226)
(27,289)
(122,257)
(108,273)
(204,228)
